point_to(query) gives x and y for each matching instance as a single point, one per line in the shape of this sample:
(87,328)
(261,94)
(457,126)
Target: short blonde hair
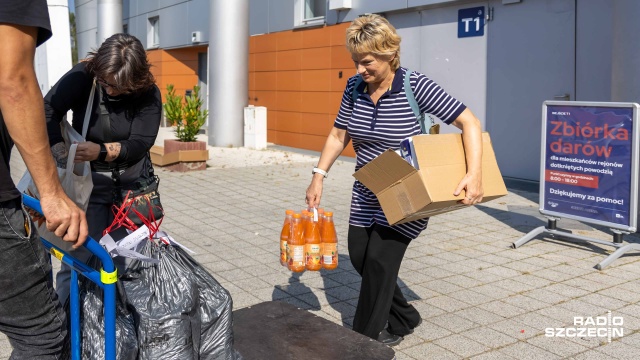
(373,34)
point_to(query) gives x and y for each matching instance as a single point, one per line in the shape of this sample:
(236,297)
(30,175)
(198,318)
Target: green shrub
(188,116)
(173,106)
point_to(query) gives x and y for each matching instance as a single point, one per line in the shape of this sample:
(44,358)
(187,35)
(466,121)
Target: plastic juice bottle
(296,245)
(329,243)
(320,218)
(284,237)
(309,212)
(304,219)
(313,245)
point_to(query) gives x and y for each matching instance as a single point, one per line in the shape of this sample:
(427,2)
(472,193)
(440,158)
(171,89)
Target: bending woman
(123,125)
(379,119)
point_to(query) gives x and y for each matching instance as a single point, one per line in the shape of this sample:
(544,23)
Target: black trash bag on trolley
(181,311)
(92,321)
(214,313)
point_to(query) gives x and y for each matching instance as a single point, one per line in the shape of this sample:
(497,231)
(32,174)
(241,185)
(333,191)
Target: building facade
(502,58)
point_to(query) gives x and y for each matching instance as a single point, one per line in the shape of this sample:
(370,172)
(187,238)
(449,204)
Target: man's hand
(65,219)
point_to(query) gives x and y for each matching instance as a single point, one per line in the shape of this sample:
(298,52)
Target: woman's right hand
(336,142)
(87,151)
(314,191)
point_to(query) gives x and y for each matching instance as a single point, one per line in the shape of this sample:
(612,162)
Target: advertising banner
(588,169)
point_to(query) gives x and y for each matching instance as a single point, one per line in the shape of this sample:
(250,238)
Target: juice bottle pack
(296,245)
(284,237)
(313,245)
(329,242)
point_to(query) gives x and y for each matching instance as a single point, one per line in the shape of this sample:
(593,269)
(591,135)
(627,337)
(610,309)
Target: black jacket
(134,119)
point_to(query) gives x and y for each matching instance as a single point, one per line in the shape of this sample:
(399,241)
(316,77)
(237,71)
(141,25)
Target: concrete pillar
(625,86)
(86,26)
(109,19)
(53,58)
(228,71)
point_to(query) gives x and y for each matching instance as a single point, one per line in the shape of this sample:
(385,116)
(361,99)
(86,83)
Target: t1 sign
(471,22)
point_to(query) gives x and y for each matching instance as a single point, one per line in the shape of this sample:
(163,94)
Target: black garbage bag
(181,311)
(92,322)
(164,297)
(214,313)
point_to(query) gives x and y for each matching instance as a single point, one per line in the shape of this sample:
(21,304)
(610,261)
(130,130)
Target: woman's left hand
(472,142)
(472,184)
(87,151)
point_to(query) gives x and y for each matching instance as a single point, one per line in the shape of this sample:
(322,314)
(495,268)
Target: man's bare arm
(23,110)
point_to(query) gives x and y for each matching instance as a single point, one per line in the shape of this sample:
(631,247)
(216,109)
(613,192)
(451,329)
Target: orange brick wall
(294,74)
(178,67)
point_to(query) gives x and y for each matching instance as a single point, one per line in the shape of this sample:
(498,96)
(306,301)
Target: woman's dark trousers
(376,252)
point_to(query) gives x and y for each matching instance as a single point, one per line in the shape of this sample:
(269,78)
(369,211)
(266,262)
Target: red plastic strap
(121,218)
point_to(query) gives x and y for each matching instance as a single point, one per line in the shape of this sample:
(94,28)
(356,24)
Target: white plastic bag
(75,179)
(76,182)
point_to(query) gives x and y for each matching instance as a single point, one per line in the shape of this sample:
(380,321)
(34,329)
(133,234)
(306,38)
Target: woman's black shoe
(389,339)
(410,330)
(418,324)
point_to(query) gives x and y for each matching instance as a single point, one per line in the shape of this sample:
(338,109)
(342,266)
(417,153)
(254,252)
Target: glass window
(153,35)
(309,12)
(314,9)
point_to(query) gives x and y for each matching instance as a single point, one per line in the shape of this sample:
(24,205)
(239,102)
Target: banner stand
(589,171)
(554,233)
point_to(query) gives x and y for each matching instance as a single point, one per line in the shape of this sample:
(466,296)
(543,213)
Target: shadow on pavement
(297,288)
(526,218)
(347,279)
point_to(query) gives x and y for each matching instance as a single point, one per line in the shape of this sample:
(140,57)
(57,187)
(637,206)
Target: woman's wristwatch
(317,170)
(103,153)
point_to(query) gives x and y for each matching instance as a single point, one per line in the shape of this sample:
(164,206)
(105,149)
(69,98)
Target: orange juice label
(313,254)
(297,254)
(330,253)
(283,251)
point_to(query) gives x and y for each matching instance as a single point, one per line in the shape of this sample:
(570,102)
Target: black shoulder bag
(139,200)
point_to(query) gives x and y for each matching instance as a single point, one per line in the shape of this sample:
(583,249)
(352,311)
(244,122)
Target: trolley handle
(93,246)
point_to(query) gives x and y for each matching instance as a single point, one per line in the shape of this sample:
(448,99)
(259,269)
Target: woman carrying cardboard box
(375,113)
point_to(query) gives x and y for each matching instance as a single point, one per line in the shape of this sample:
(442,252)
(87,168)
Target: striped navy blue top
(376,128)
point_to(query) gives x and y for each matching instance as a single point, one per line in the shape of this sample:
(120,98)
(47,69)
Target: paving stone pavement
(479,298)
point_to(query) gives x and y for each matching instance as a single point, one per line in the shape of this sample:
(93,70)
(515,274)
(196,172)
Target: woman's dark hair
(123,57)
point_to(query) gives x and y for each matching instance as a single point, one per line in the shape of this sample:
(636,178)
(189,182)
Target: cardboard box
(407,194)
(158,157)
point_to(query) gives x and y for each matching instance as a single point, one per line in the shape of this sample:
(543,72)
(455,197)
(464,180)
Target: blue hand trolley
(106,278)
